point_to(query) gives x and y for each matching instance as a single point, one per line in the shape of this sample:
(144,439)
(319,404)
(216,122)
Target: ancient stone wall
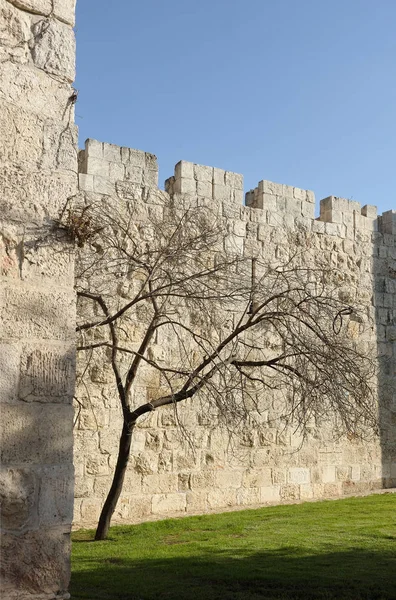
(38,155)
(166,476)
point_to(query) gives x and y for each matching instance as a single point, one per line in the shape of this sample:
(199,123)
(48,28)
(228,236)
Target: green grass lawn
(342,549)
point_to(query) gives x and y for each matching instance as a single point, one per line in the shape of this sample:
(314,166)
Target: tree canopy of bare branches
(160,297)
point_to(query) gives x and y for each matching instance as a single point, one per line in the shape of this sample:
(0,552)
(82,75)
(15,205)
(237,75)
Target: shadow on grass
(282,574)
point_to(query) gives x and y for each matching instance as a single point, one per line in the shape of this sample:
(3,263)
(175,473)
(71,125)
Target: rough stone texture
(270,465)
(38,160)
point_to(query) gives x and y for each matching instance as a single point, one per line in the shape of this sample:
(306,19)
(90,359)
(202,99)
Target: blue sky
(301,92)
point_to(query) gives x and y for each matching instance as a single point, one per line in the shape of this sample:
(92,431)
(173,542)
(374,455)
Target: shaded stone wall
(38,156)
(165,476)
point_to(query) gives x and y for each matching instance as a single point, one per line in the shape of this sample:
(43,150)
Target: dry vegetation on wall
(250,339)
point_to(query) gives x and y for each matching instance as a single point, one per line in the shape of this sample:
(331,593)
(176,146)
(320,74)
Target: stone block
(333,490)
(293,206)
(98,166)
(368,210)
(299,194)
(306,491)
(342,473)
(39,7)
(221,193)
(257,478)
(55,502)
(33,313)
(204,188)
(310,197)
(64,10)
(134,173)
(203,479)
(85,182)
(328,474)
(97,465)
(221,498)
(116,171)
(203,174)
(83,487)
(234,244)
(299,475)
(22,136)
(354,206)
(237,197)
(168,503)
(18,489)
(333,229)
(9,369)
(287,191)
(90,511)
(355,472)
(270,493)
(53,48)
(93,149)
(161,483)
(267,202)
(248,496)
(25,436)
(47,373)
(219,177)
(103,185)
(228,479)
(49,98)
(185,186)
(275,219)
(184,170)
(196,501)
(290,492)
(308,210)
(34,196)
(36,563)
(112,153)
(269,187)
(234,180)
(318,226)
(59,146)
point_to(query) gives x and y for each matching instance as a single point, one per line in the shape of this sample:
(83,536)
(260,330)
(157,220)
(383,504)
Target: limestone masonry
(165,475)
(38,155)
(41,174)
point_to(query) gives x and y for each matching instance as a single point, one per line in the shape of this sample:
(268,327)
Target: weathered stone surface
(14,33)
(64,10)
(55,502)
(53,48)
(18,498)
(35,195)
(40,7)
(38,174)
(166,503)
(25,438)
(47,374)
(33,561)
(30,313)
(32,90)
(9,368)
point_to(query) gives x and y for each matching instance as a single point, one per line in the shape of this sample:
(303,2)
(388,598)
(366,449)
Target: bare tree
(232,327)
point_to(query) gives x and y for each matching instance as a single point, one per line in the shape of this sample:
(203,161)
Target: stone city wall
(38,155)
(165,475)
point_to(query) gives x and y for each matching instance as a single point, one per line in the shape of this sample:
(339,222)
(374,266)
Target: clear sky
(301,92)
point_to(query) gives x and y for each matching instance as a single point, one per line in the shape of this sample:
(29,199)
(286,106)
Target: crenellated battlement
(272,222)
(104,166)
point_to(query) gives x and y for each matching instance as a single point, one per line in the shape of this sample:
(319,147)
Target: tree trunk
(118,481)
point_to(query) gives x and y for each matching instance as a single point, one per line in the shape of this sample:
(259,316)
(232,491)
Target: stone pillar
(38,173)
